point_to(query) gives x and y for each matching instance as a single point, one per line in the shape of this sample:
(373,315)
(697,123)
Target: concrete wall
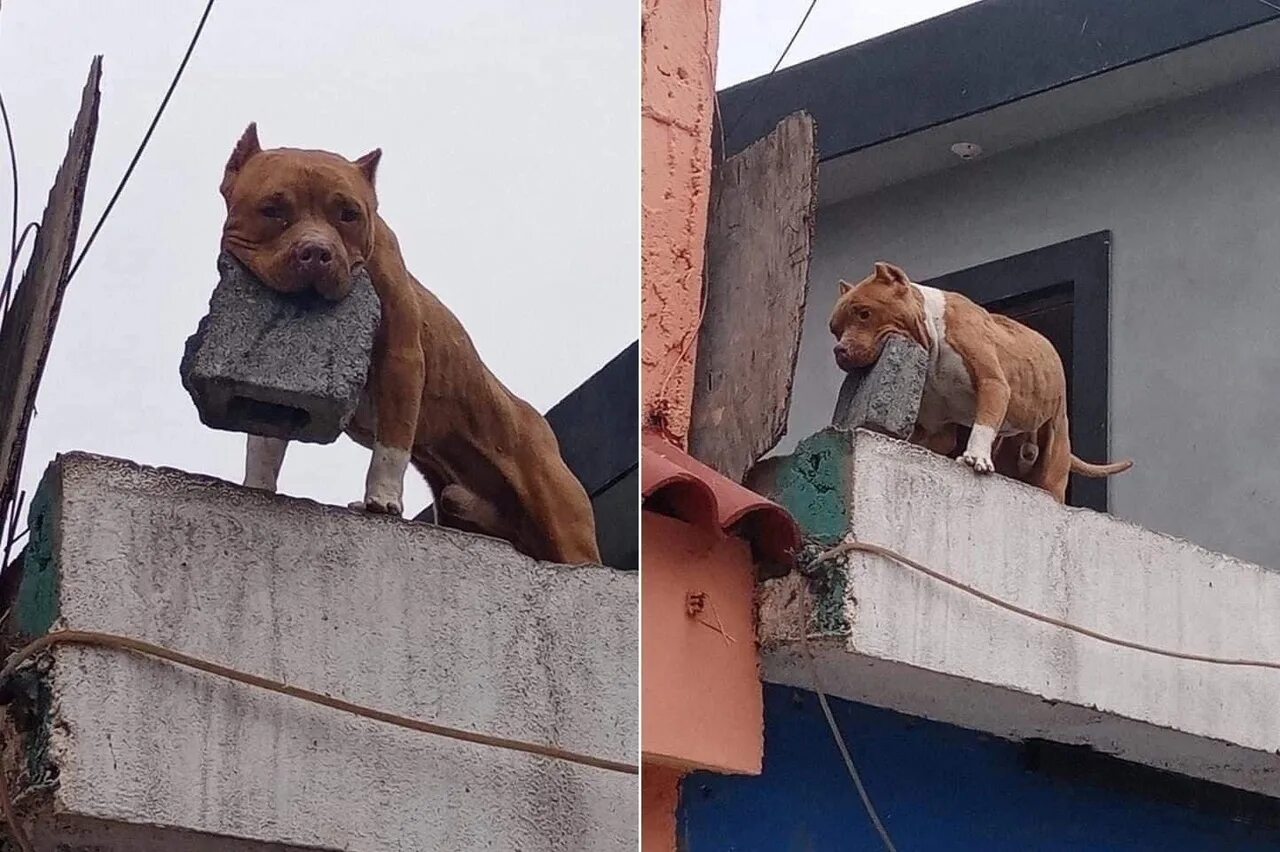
(1191,193)
(937,788)
(408,618)
(677,105)
(894,638)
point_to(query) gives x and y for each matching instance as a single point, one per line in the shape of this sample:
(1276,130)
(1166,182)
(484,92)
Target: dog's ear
(368,164)
(845,287)
(889,273)
(245,149)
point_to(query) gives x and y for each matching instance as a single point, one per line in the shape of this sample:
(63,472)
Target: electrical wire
(13,170)
(115,196)
(760,83)
(794,36)
(849,765)
(6,291)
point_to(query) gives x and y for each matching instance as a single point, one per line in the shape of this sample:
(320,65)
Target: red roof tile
(688,489)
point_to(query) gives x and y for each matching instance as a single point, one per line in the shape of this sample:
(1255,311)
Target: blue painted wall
(935,786)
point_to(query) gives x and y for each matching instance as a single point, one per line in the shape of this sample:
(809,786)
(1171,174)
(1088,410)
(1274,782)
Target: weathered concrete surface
(412,619)
(885,397)
(894,638)
(282,366)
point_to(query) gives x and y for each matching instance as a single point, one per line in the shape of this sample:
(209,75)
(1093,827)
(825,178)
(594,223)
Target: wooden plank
(28,325)
(759,239)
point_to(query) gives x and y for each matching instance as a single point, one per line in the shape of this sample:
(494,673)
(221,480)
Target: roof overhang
(1002,74)
(674,483)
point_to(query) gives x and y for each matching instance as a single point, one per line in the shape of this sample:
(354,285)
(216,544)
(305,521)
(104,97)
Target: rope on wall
(895,556)
(98,639)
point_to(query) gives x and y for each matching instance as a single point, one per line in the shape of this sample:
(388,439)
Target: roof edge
(970,60)
(693,492)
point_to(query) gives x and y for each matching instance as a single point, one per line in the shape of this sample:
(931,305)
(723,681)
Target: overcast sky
(510,144)
(753,33)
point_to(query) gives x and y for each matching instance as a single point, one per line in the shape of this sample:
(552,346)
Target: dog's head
(299,220)
(866,313)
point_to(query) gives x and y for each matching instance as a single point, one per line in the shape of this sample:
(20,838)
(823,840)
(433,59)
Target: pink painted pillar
(678,47)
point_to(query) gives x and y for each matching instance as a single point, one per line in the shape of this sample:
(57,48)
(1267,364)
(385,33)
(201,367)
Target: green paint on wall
(36,610)
(813,484)
(37,605)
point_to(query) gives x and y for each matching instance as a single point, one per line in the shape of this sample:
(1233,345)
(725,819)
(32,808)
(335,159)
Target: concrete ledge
(405,617)
(894,638)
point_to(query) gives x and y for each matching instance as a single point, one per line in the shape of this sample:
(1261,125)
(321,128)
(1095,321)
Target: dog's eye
(271,211)
(349,214)
(864,314)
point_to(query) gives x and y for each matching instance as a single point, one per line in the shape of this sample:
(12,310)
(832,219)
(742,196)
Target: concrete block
(280,365)
(885,397)
(897,639)
(417,620)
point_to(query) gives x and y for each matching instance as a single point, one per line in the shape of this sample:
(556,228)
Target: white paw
(384,484)
(980,464)
(375,506)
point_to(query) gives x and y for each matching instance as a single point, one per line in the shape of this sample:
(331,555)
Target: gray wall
(1191,193)
(411,619)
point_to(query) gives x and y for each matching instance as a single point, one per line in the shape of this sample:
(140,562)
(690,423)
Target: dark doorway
(1063,292)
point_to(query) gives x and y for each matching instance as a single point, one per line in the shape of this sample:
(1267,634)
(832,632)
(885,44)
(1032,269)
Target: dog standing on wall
(985,371)
(304,220)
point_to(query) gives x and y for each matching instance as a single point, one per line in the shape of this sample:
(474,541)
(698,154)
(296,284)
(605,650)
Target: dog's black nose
(312,257)
(838,350)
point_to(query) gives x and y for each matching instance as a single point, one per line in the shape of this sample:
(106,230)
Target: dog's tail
(1097,471)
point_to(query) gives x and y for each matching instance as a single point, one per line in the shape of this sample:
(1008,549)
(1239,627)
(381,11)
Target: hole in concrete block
(247,411)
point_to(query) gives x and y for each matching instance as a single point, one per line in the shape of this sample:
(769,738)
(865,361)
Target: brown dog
(986,371)
(304,220)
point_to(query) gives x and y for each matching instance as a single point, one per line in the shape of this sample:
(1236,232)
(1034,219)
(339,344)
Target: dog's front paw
(980,464)
(378,507)
(384,484)
(381,507)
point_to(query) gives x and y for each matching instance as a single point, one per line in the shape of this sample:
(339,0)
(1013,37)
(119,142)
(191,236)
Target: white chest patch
(949,395)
